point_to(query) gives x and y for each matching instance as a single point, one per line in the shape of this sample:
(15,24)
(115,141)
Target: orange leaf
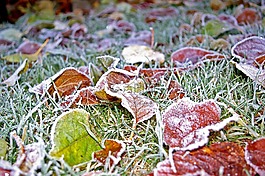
(248,16)
(113,149)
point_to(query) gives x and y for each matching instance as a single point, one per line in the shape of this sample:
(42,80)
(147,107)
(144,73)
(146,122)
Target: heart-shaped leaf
(188,124)
(71,139)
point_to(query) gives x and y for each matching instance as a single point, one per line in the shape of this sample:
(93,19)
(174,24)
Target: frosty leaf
(70,138)
(224,158)
(11,34)
(3,148)
(113,77)
(7,169)
(64,82)
(141,107)
(84,96)
(175,90)
(137,53)
(255,155)
(11,81)
(188,124)
(252,49)
(94,72)
(113,149)
(254,73)
(30,156)
(194,55)
(248,16)
(107,62)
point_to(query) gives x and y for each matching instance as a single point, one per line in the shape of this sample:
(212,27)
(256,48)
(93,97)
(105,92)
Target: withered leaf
(141,107)
(224,158)
(250,50)
(255,155)
(194,55)
(113,149)
(187,124)
(160,14)
(84,96)
(65,82)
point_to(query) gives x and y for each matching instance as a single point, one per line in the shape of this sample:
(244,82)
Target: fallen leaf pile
(129,80)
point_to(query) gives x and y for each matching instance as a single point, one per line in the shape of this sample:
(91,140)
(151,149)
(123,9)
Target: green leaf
(215,28)
(71,139)
(94,72)
(3,148)
(11,34)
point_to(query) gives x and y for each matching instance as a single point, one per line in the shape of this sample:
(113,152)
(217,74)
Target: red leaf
(139,38)
(252,49)
(224,158)
(248,16)
(255,155)
(194,55)
(113,149)
(188,124)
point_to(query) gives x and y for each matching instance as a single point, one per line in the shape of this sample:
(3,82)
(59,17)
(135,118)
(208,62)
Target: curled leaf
(224,158)
(255,155)
(70,138)
(11,81)
(188,124)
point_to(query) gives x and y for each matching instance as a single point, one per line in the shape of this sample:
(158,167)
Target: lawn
(128,101)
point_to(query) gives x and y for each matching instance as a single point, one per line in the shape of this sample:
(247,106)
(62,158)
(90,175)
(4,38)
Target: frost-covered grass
(31,117)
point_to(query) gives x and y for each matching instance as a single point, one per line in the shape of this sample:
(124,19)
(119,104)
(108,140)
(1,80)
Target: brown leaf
(248,16)
(175,90)
(188,124)
(224,158)
(194,55)
(84,96)
(64,82)
(255,155)
(251,49)
(139,38)
(141,107)
(113,149)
